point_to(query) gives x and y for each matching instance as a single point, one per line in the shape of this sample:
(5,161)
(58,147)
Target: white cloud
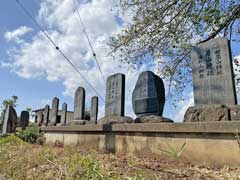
(38,59)
(17,33)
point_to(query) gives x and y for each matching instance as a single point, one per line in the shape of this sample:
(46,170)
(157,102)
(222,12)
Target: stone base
(115,120)
(50,124)
(152,119)
(76,122)
(206,113)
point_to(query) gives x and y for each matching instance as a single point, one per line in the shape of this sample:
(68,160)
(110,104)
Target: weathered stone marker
(24,119)
(94,109)
(64,114)
(115,95)
(148,96)
(40,118)
(9,121)
(79,104)
(213,80)
(54,111)
(46,115)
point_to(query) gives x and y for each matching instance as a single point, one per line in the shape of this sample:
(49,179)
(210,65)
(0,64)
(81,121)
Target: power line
(88,39)
(57,47)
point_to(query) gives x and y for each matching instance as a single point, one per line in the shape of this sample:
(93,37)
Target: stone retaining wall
(213,143)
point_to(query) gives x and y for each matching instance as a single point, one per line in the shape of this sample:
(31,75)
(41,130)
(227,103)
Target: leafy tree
(166,30)
(29,109)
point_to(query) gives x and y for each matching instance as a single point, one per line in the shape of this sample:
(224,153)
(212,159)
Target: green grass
(22,161)
(19,160)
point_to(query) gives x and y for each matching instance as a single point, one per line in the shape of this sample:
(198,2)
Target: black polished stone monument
(24,119)
(148,96)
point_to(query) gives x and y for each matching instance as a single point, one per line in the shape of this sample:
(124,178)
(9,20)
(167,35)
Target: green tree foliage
(166,30)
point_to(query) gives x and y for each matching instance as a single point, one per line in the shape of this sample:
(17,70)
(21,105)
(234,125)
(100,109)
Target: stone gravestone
(115,95)
(94,109)
(79,104)
(213,79)
(64,114)
(54,111)
(46,115)
(114,103)
(148,96)
(9,121)
(40,118)
(24,119)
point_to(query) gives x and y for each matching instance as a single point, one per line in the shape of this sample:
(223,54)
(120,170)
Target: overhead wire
(58,49)
(88,39)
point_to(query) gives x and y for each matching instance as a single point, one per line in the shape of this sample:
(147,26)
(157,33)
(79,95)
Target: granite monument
(24,119)
(94,109)
(9,121)
(148,96)
(46,115)
(54,111)
(212,71)
(115,95)
(79,104)
(64,114)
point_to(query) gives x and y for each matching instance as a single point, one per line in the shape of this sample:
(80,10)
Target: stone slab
(24,119)
(230,127)
(115,120)
(94,109)
(79,104)
(213,78)
(64,114)
(54,111)
(46,115)
(115,95)
(9,121)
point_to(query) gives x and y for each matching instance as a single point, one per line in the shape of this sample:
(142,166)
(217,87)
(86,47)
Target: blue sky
(31,92)
(35,72)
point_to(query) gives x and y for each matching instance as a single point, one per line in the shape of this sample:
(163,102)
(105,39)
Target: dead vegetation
(19,160)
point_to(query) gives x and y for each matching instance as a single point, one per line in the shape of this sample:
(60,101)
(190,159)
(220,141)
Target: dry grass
(19,160)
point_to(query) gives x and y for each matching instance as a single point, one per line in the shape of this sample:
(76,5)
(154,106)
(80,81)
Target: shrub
(31,134)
